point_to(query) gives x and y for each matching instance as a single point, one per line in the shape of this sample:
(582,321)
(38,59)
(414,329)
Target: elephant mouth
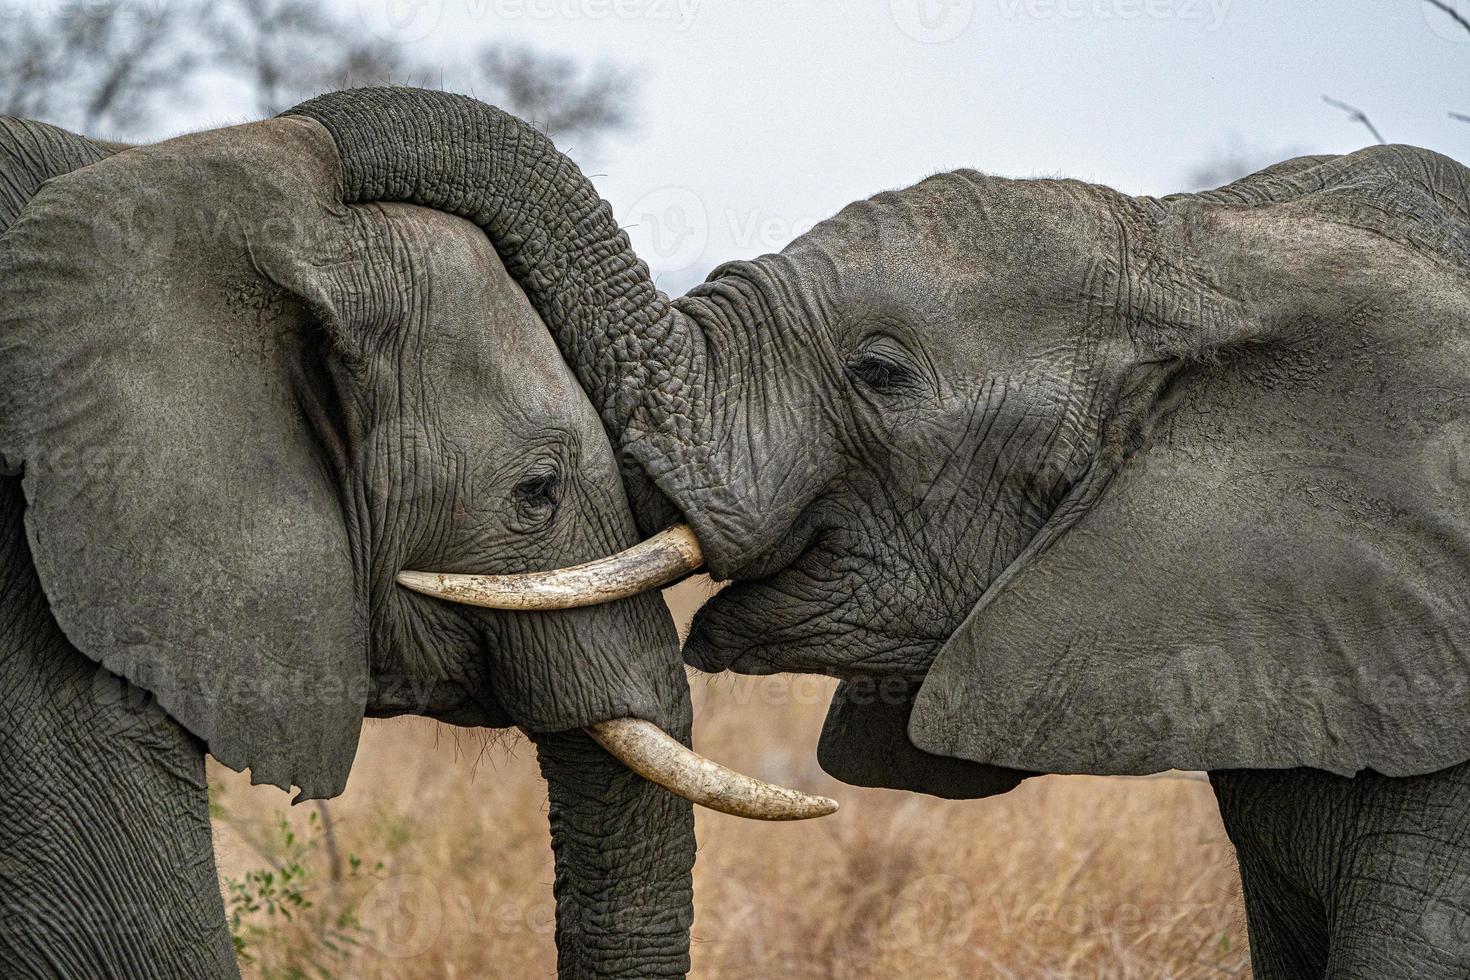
(726,637)
(737,630)
(806,535)
(717,642)
(640,745)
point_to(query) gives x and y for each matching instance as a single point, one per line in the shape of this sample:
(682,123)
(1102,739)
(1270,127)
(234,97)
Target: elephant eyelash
(537,496)
(878,372)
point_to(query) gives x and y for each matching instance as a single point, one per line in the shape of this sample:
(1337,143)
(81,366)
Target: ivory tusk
(660,758)
(663,558)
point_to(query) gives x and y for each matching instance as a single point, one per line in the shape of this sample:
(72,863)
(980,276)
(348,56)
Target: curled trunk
(556,236)
(624,858)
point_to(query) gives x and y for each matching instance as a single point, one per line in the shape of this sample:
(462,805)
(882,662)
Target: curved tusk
(660,758)
(663,558)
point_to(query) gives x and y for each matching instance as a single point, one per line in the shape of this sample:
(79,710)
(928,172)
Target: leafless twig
(104,64)
(569,101)
(112,64)
(1454,14)
(1356,115)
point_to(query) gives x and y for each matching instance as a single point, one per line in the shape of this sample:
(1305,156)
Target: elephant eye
(537,496)
(878,371)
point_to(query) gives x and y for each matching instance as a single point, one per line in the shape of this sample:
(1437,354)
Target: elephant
(1055,479)
(241,401)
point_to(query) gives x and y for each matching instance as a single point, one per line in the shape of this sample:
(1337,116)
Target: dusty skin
(1063,876)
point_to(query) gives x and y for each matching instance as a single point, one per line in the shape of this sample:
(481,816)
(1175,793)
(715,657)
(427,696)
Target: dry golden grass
(1063,877)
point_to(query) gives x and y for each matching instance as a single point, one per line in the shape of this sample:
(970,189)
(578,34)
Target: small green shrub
(292,918)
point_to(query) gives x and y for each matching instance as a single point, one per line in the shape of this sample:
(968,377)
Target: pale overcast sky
(761,116)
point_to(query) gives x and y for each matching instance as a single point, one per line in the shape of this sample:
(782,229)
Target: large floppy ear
(865,742)
(1270,564)
(167,385)
(31,153)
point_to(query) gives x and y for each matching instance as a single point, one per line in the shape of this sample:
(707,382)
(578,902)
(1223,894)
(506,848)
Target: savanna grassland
(437,862)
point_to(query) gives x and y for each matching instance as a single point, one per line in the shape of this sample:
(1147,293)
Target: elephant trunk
(659,373)
(624,857)
(555,234)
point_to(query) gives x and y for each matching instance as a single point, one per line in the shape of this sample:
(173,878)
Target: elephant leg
(1287,928)
(1286,919)
(1398,918)
(1402,905)
(106,860)
(1361,877)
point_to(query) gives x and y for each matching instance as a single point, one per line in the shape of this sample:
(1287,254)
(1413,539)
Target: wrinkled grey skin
(1061,480)
(232,408)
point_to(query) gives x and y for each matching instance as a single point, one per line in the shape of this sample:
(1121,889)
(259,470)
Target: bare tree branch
(1356,115)
(285,48)
(1462,117)
(99,64)
(570,102)
(113,63)
(131,62)
(30,79)
(1454,14)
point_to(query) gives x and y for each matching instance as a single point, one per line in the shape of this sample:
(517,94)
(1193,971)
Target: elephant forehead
(473,336)
(986,273)
(963,223)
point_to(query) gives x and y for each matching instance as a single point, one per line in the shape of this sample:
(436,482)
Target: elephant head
(244,399)
(1053,478)
(1110,484)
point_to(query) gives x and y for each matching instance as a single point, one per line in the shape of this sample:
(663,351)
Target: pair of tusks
(640,745)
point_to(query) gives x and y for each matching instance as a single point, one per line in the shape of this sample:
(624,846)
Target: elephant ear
(865,742)
(1272,568)
(163,377)
(31,153)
